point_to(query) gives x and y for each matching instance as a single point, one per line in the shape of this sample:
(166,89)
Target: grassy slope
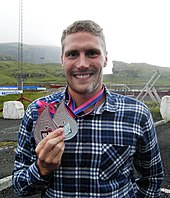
(138,74)
(134,73)
(35,73)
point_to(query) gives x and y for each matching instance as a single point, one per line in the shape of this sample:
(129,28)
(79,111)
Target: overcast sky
(135,30)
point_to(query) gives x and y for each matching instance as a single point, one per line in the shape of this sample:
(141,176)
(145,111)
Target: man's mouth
(82,76)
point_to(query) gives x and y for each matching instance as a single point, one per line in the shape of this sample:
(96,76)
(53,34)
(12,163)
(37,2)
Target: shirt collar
(110,103)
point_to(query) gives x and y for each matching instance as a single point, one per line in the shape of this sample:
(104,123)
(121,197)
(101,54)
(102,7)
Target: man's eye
(91,53)
(72,54)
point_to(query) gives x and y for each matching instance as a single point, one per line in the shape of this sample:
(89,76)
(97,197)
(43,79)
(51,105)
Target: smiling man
(83,57)
(97,138)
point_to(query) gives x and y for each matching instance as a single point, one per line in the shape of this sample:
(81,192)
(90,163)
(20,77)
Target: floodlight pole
(20,47)
(20,53)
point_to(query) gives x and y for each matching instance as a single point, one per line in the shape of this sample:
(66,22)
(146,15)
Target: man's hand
(49,152)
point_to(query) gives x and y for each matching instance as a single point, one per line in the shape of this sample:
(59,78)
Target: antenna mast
(20,47)
(20,53)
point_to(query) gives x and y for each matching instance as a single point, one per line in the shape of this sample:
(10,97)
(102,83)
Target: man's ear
(61,60)
(105,62)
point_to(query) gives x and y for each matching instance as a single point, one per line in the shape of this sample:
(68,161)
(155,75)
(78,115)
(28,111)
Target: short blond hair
(84,26)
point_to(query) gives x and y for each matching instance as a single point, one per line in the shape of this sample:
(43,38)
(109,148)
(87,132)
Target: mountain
(41,64)
(35,54)
(137,74)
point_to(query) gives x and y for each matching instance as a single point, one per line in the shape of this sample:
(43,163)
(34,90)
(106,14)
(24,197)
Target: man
(87,141)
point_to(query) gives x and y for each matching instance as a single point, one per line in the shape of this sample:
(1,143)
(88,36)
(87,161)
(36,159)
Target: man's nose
(82,62)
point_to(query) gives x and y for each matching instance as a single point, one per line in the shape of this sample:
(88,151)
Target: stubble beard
(82,89)
(86,89)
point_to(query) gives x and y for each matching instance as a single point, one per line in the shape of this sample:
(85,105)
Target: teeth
(83,76)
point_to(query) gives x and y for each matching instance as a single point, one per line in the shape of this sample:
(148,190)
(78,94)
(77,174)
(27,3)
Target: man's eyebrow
(93,49)
(70,51)
(86,50)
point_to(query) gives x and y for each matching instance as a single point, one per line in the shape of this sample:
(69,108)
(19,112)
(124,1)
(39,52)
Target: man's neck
(80,99)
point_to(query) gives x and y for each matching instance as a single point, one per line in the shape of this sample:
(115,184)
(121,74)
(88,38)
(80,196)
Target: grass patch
(155,110)
(153,106)
(27,94)
(4,144)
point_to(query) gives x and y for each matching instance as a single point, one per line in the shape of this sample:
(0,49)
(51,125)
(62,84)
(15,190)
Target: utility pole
(20,47)
(20,53)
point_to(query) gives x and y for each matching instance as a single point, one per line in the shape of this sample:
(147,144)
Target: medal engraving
(63,119)
(44,126)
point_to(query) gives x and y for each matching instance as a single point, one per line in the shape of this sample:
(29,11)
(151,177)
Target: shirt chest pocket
(113,161)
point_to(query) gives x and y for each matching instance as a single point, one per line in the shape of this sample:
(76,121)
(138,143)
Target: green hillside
(33,73)
(137,74)
(42,65)
(134,74)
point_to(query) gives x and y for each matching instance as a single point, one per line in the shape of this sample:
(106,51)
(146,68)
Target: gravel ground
(8,132)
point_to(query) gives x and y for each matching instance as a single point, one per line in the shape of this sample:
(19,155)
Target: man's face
(83,60)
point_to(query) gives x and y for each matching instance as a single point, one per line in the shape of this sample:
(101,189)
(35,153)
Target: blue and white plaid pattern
(99,161)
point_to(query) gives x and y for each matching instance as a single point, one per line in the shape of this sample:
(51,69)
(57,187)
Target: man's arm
(27,178)
(147,161)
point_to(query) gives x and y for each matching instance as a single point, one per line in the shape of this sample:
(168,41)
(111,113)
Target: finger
(57,151)
(49,146)
(54,134)
(59,156)
(52,143)
(51,163)
(53,158)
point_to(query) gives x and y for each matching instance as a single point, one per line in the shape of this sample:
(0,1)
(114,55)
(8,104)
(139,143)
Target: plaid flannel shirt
(114,154)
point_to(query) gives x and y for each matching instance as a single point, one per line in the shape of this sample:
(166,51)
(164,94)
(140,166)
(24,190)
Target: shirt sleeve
(147,160)
(26,179)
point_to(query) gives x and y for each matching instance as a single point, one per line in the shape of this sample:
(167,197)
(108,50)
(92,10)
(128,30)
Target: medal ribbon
(94,100)
(40,104)
(71,107)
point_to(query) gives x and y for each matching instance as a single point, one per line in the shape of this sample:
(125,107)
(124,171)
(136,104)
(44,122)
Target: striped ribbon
(71,106)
